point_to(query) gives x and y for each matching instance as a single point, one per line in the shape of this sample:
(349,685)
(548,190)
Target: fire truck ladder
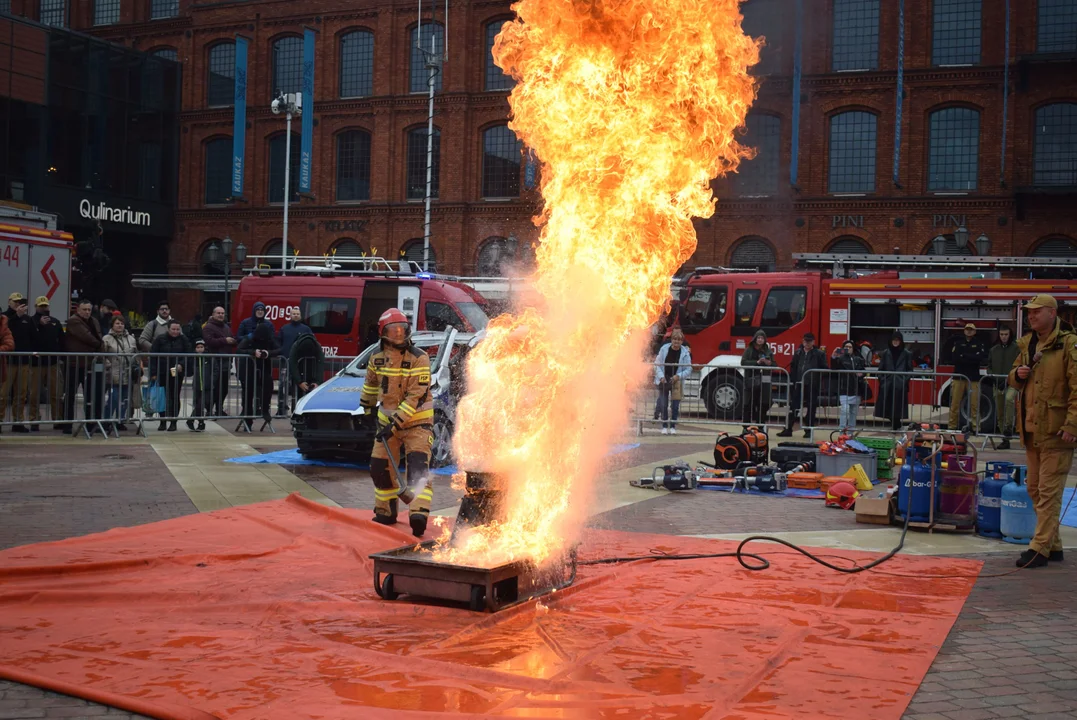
(843,263)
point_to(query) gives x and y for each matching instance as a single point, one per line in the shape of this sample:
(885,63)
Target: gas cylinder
(914,489)
(904,476)
(957,490)
(989,498)
(1017,518)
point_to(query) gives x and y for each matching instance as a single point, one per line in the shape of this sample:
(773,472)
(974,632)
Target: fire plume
(630,107)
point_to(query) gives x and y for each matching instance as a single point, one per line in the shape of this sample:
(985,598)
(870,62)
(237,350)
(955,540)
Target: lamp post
(983,245)
(215,256)
(290,104)
(961,237)
(939,245)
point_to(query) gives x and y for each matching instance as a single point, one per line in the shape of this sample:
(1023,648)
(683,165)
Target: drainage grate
(115,456)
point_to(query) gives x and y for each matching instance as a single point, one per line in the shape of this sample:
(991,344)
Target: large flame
(630,107)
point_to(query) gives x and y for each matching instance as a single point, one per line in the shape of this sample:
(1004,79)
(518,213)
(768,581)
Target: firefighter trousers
(1047,471)
(417,442)
(958,388)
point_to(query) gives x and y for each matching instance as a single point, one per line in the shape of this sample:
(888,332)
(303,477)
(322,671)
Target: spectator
(194,328)
(306,364)
(1045,373)
(16,386)
(168,370)
(108,310)
(7,343)
(804,385)
(158,327)
(286,337)
(893,400)
(999,363)
(968,355)
(83,337)
(199,374)
(672,366)
(757,390)
(258,316)
(256,373)
(48,341)
(12,302)
(847,359)
(121,370)
(219,341)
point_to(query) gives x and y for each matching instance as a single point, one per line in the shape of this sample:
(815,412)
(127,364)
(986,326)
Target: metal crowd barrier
(888,402)
(106,392)
(722,396)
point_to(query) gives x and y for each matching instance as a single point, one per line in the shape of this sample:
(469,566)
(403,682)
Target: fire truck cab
(928,298)
(341,300)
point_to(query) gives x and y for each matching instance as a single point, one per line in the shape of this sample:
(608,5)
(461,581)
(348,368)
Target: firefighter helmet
(842,494)
(389,317)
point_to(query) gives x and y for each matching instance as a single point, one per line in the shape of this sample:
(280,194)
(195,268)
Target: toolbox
(793,453)
(804,480)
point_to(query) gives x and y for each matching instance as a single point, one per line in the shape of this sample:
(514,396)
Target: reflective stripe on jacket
(400,379)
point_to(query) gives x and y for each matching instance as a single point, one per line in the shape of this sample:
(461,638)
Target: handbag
(153,398)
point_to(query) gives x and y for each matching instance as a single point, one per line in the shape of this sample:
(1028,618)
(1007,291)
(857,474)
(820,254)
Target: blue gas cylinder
(1018,518)
(989,498)
(920,493)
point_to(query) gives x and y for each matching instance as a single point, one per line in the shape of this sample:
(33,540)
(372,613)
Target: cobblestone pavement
(1012,652)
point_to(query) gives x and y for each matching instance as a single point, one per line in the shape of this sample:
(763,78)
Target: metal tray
(409,570)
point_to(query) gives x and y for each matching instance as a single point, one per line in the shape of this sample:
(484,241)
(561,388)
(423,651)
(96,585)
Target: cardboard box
(873,510)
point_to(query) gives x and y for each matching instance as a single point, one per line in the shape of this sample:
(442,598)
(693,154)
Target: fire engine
(863,298)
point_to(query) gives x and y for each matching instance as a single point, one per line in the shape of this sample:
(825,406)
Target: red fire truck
(928,298)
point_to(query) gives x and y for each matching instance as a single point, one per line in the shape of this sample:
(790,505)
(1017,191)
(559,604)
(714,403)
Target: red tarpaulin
(268,611)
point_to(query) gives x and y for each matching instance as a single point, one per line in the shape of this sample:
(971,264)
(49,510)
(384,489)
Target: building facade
(89,131)
(880,125)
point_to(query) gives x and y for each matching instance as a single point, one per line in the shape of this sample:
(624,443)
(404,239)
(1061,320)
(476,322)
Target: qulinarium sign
(104,213)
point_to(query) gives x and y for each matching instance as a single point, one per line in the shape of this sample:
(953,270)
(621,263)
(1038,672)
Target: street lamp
(961,237)
(213,254)
(983,245)
(939,244)
(290,104)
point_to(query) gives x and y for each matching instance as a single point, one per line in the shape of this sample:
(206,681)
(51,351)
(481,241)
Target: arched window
(956,34)
(353,165)
(166,53)
(271,254)
(498,256)
(1057,26)
(220,84)
(153,78)
(161,9)
(759,176)
(501,156)
(1054,158)
(852,152)
(951,248)
(412,251)
(418,73)
(856,35)
(218,179)
(753,253)
(347,248)
(357,64)
(496,79)
(416,170)
(764,18)
(51,12)
(277,148)
(287,65)
(1059,247)
(954,154)
(849,246)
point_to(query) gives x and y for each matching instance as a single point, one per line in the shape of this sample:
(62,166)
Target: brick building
(988,129)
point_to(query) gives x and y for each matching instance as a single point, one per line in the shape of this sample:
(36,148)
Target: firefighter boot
(420,483)
(385,492)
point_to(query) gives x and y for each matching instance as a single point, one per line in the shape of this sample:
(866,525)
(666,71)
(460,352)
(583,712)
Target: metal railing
(737,395)
(105,392)
(889,402)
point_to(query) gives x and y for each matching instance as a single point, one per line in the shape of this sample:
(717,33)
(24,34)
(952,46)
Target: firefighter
(399,376)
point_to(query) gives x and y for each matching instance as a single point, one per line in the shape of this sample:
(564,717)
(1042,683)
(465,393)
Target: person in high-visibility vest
(398,376)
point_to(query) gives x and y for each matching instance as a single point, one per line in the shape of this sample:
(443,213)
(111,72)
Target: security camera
(276,106)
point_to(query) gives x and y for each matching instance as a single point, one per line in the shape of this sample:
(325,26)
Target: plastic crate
(878,443)
(838,464)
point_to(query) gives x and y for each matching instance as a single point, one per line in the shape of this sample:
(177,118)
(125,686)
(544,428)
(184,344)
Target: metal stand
(948,523)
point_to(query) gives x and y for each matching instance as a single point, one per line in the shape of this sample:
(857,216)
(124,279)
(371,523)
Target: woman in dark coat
(168,367)
(893,401)
(757,381)
(256,371)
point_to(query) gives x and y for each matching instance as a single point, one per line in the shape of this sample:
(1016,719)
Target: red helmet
(390,316)
(842,494)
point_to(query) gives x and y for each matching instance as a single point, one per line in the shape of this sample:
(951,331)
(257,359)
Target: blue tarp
(292,457)
(1069,517)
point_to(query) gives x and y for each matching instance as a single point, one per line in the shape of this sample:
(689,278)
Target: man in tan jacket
(1045,373)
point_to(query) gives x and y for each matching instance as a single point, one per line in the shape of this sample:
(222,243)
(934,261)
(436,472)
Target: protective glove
(385,432)
(369,420)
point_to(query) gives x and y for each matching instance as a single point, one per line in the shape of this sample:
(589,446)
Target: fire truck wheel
(722,396)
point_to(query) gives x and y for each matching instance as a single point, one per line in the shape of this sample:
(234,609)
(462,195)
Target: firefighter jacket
(1053,384)
(401,380)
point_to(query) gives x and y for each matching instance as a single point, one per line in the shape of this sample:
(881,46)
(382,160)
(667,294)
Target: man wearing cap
(1045,374)
(12,302)
(48,341)
(968,355)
